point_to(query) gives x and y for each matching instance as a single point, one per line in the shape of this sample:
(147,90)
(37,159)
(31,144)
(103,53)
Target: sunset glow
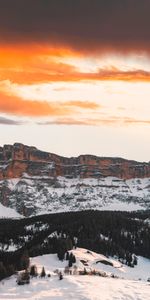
(76,85)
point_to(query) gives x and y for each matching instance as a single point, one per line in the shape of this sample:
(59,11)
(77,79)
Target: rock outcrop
(17,159)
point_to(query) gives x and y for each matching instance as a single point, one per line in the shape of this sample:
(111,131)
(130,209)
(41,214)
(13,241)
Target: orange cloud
(95,122)
(65,73)
(31,54)
(35,64)
(134,121)
(84,105)
(60,113)
(20,107)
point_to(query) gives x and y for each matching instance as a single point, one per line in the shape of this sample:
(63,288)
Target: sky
(75,76)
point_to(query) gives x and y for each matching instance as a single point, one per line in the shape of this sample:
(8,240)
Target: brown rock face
(18,159)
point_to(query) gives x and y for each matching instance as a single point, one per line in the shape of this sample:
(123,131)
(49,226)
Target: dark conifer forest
(121,234)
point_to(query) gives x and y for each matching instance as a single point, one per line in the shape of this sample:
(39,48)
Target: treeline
(120,234)
(12,262)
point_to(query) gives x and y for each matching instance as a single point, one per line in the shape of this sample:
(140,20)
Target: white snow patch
(74,287)
(6,212)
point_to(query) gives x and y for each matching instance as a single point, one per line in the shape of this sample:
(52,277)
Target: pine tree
(23,278)
(135,260)
(70,263)
(10,270)
(43,273)
(73,259)
(85,271)
(60,276)
(3,272)
(24,260)
(67,255)
(33,271)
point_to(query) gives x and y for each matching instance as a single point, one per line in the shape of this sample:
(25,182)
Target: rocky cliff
(17,159)
(32,181)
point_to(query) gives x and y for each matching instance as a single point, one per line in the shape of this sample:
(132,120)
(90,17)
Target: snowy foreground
(79,287)
(76,288)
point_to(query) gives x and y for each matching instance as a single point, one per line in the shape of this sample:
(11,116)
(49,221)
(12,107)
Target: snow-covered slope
(6,212)
(84,259)
(75,287)
(94,261)
(38,195)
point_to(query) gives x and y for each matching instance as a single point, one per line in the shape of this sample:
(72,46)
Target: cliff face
(33,182)
(17,159)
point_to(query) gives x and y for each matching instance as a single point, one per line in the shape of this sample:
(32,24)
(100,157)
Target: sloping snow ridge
(41,195)
(78,287)
(6,212)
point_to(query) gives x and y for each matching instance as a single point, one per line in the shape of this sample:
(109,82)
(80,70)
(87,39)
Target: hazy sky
(75,76)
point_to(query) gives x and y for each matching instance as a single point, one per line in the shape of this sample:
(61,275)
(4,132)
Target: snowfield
(6,212)
(43,194)
(81,287)
(75,288)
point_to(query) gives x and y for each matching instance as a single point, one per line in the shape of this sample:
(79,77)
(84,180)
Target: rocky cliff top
(17,159)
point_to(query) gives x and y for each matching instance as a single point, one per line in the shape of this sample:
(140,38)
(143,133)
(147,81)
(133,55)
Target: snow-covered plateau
(38,195)
(127,284)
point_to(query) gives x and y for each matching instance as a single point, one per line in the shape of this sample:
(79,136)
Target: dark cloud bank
(83,25)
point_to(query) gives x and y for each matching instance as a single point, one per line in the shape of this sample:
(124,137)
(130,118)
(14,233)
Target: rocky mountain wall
(34,182)
(17,159)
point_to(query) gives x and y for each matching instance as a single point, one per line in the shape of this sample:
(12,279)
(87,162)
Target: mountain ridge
(19,158)
(34,181)
(17,144)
